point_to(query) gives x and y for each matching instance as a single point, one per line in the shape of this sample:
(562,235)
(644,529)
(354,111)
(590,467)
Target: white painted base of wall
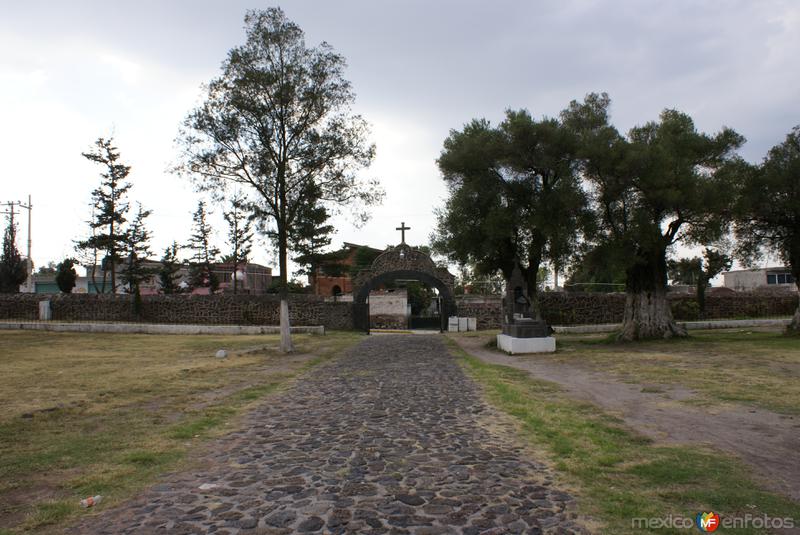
(516,346)
(153,328)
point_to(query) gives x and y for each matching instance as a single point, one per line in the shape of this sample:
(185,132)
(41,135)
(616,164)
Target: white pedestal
(516,346)
(45,312)
(452,324)
(472,324)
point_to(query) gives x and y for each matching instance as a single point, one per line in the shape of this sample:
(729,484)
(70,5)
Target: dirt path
(767,441)
(390,438)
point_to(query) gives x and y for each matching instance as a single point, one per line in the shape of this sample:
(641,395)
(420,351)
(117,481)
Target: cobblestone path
(391,438)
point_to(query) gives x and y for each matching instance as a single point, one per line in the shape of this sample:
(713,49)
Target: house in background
(253,279)
(741,280)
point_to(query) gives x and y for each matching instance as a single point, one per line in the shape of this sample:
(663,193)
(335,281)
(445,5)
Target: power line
(29,208)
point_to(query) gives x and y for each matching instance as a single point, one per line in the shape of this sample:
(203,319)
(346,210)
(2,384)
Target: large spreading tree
(768,218)
(515,198)
(276,124)
(662,184)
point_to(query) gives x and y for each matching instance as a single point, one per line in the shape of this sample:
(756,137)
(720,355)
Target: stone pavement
(391,438)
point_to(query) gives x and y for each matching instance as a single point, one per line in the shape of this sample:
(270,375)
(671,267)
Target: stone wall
(559,308)
(183,309)
(568,308)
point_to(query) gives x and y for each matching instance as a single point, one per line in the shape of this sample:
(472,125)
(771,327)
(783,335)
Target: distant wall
(224,309)
(568,308)
(560,308)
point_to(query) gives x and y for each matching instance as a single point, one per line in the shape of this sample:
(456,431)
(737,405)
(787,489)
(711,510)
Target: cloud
(418,68)
(126,69)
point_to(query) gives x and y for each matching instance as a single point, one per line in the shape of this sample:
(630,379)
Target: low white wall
(153,328)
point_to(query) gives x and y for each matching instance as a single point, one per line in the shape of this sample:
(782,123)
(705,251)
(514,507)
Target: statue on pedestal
(517,319)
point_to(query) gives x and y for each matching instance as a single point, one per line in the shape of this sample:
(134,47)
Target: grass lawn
(87,414)
(617,474)
(750,366)
(744,366)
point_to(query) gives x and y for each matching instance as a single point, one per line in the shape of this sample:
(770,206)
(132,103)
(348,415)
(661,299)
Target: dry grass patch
(106,414)
(744,366)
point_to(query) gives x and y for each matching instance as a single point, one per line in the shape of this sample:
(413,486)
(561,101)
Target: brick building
(332,275)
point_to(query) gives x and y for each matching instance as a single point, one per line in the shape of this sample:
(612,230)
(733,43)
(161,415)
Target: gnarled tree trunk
(647,311)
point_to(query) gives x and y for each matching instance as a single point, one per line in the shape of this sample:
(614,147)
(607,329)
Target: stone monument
(521,332)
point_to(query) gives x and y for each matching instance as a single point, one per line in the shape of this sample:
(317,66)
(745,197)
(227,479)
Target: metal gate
(361,317)
(426,322)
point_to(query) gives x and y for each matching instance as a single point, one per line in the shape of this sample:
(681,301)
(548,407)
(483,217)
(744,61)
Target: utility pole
(29,262)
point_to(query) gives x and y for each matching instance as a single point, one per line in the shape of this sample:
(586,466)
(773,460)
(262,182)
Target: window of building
(780,278)
(336,290)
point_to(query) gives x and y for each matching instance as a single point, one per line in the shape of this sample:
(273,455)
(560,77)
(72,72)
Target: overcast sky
(73,71)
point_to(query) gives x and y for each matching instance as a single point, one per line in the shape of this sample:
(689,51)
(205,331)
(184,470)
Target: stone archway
(401,262)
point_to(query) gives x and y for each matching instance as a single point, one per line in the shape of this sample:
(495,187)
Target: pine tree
(204,253)
(108,210)
(136,250)
(168,272)
(311,236)
(240,236)
(13,269)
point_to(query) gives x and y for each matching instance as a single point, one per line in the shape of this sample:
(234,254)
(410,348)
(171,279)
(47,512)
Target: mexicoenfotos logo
(711,521)
(707,522)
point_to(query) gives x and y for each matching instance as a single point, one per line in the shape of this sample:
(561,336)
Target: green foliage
(49,269)
(109,208)
(683,309)
(277,124)
(292,286)
(240,235)
(685,270)
(664,183)
(168,273)
(311,236)
(66,275)
(514,196)
(469,282)
(363,259)
(768,213)
(419,297)
(698,272)
(13,269)
(597,269)
(716,262)
(137,250)
(204,253)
